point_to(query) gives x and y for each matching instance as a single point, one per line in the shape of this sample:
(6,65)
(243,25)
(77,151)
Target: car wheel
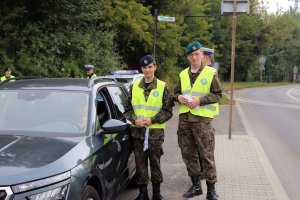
(90,193)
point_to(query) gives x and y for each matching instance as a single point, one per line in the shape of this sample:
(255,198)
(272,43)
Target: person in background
(7,75)
(198,92)
(148,107)
(208,56)
(89,70)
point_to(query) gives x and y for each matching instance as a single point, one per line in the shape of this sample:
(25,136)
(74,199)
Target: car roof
(54,83)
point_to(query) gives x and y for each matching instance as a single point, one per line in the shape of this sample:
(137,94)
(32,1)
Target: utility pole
(233,35)
(231,7)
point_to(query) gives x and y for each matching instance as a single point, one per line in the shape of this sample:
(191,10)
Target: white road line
(291,96)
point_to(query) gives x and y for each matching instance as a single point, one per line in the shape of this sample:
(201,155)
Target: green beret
(193,46)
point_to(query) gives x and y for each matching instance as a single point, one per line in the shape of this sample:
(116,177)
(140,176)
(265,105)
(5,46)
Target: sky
(282,4)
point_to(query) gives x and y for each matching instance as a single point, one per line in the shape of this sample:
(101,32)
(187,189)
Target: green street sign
(165,19)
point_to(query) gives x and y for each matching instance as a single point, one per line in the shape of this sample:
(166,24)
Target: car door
(111,149)
(126,168)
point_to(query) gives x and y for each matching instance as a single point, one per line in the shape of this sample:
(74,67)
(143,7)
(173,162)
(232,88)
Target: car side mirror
(113,125)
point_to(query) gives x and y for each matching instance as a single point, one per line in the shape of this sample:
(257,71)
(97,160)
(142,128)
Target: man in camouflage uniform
(198,92)
(148,107)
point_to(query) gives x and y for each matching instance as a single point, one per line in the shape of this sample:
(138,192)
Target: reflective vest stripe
(147,109)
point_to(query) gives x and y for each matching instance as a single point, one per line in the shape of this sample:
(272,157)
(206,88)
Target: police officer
(208,56)
(7,75)
(198,91)
(148,107)
(89,70)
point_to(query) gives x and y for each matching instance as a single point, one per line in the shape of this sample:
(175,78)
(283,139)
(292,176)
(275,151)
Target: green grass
(243,85)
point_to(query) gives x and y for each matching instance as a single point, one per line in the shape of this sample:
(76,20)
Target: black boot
(143,193)
(156,192)
(211,192)
(196,188)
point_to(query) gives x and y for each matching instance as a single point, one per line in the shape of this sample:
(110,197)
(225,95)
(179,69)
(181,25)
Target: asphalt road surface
(273,114)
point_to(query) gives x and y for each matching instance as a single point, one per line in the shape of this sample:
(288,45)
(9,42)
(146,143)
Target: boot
(211,192)
(156,192)
(196,188)
(143,192)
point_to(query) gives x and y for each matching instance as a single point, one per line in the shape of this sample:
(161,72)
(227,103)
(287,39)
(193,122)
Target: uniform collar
(151,86)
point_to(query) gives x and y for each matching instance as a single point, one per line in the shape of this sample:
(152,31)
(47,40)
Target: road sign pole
(234,16)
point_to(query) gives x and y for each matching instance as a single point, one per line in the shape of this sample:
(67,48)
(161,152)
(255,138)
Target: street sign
(242,6)
(165,19)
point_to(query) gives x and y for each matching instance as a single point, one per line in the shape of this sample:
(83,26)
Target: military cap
(7,69)
(207,51)
(193,46)
(89,67)
(146,60)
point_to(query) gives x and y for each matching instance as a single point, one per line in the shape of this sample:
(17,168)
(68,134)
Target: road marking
(267,103)
(276,185)
(291,96)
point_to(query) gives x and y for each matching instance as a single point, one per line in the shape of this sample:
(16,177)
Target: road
(273,114)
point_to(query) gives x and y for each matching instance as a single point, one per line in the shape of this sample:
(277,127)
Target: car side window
(103,108)
(119,99)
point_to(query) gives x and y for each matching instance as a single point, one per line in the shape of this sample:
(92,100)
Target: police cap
(89,67)
(146,60)
(7,69)
(207,51)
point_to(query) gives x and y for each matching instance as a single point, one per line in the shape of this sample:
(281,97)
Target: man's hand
(139,123)
(195,102)
(147,122)
(182,100)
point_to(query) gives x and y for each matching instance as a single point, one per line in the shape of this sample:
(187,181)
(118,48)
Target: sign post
(159,19)
(233,7)
(262,61)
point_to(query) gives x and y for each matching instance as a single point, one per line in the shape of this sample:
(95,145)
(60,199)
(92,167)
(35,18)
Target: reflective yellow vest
(94,76)
(3,78)
(146,109)
(200,89)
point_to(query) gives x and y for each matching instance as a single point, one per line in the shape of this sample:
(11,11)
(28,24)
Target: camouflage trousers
(154,153)
(194,137)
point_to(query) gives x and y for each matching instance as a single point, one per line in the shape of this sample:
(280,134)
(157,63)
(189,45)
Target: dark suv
(63,139)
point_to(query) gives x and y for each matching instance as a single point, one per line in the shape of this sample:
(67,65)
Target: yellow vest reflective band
(3,78)
(143,109)
(200,88)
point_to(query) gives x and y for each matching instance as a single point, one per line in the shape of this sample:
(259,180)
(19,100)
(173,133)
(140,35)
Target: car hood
(24,158)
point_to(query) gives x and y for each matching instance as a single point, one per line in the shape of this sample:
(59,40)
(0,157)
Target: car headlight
(54,194)
(40,183)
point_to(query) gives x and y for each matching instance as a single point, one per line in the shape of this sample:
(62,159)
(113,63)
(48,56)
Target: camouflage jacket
(164,114)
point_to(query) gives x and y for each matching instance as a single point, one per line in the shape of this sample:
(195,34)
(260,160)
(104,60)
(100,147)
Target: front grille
(5,193)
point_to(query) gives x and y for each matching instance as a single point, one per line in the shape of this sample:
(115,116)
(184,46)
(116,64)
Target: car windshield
(44,111)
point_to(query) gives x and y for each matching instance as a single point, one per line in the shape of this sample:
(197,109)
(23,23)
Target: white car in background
(126,77)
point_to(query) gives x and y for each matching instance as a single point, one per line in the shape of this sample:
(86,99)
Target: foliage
(56,38)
